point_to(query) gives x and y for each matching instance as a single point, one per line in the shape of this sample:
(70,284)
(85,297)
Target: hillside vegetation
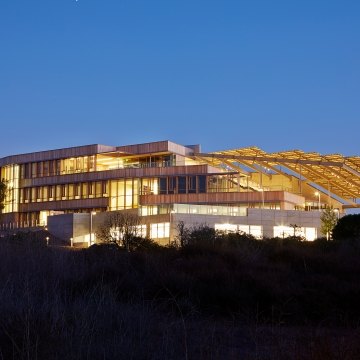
(223,297)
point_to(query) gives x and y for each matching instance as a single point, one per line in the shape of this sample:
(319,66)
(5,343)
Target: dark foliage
(347,229)
(226,296)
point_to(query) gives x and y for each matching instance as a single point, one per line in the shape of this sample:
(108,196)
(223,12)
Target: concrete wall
(77,226)
(81,228)
(267,218)
(61,226)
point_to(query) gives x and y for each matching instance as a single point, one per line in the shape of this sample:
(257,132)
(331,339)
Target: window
(64,192)
(33,170)
(98,189)
(58,167)
(33,195)
(160,231)
(182,184)
(202,183)
(141,230)
(91,161)
(192,184)
(58,192)
(283,231)
(79,164)
(46,168)
(84,190)
(38,194)
(28,170)
(51,192)
(172,185)
(256,231)
(71,191)
(27,195)
(45,193)
(52,167)
(129,194)
(310,233)
(105,188)
(38,169)
(226,227)
(163,187)
(91,189)
(77,190)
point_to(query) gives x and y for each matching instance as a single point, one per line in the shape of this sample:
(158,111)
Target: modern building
(69,190)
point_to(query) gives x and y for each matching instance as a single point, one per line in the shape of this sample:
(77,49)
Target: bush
(348,229)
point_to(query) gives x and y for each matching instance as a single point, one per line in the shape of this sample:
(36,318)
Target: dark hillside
(236,298)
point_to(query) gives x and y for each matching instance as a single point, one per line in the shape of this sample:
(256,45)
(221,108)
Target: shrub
(348,229)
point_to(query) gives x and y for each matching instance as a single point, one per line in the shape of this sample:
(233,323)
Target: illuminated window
(77,190)
(58,192)
(310,233)
(51,192)
(283,231)
(141,230)
(226,227)
(64,192)
(159,231)
(33,194)
(91,189)
(33,170)
(105,188)
(256,231)
(98,189)
(84,190)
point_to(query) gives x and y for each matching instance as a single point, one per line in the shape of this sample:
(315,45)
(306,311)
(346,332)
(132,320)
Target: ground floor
(82,228)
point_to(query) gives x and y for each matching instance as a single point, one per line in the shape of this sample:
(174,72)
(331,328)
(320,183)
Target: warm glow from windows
(160,231)
(254,230)
(309,233)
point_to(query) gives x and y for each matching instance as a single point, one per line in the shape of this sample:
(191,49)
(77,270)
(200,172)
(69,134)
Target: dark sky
(280,75)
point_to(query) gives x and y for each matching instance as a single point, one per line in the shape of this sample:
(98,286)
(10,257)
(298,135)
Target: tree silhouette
(347,229)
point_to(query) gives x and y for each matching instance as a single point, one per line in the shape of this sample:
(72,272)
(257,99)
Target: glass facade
(119,161)
(254,230)
(193,209)
(124,194)
(11,174)
(160,230)
(309,233)
(83,190)
(57,167)
(182,184)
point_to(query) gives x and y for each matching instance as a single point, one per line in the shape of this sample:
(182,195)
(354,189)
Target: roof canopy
(336,173)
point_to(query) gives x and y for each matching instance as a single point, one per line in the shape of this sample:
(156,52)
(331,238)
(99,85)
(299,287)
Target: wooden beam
(271,159)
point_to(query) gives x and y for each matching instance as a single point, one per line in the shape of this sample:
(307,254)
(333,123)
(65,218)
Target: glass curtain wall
(57,167)
(124,194)
(11,175)
(84,190)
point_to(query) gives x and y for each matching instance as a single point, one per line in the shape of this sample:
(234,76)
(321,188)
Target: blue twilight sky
(223,73)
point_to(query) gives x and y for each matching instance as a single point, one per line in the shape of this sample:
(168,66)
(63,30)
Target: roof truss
(343,173)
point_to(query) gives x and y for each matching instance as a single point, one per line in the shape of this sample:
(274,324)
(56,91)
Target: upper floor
(92,158)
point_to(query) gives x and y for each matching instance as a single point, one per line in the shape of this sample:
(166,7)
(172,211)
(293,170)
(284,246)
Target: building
(69,190)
